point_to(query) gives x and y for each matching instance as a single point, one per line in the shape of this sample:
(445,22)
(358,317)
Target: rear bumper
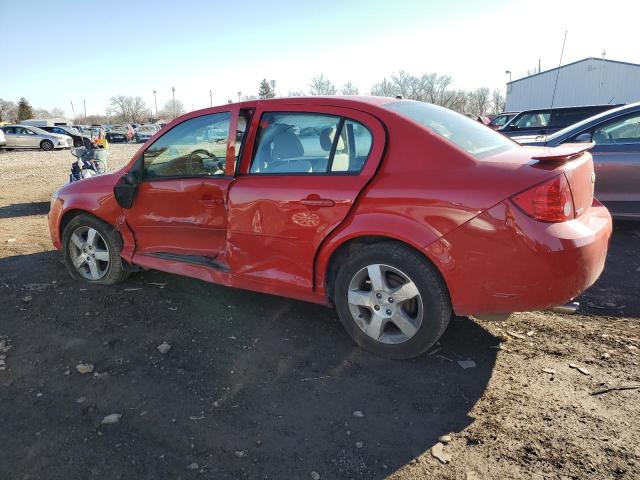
(503,261)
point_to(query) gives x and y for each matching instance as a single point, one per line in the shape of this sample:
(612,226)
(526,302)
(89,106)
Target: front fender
(93,195)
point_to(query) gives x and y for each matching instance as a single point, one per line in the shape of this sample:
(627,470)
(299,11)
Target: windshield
(147,129)
(469,135)
(39,131)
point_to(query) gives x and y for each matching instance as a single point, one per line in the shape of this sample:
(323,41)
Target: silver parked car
(26,136)
(616,156)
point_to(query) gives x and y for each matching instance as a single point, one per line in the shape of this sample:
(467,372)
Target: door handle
(318,202)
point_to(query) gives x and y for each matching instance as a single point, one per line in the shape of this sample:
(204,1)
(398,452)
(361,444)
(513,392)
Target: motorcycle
(89,162)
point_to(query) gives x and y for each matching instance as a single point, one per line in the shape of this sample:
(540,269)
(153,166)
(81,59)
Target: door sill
(192,260)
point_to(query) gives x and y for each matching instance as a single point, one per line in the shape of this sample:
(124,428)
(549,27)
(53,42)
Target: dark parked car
(616,156)
(79,140)
(530,124)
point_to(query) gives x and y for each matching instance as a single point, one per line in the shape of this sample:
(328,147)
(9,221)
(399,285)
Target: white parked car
(3,142)
(23,136)
(145,132)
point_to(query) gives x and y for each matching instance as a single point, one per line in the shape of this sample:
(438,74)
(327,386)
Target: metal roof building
(590,81)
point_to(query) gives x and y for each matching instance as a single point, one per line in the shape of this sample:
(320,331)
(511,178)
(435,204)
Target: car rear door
(29,138)
(300,175)
(616,158)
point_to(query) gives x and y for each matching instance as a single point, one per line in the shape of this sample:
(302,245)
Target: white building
(591,81)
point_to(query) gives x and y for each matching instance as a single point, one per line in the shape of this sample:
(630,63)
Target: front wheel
(46,145)
(92,251)
(391,300)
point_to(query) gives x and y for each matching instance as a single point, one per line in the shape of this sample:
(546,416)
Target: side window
(500,120)
(625,130)
(307,143)
(196,147)
(533,120)
(564,118)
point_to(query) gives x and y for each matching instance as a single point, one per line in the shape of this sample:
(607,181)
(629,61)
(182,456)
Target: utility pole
(239,95)
(273,87)
(601,74)
(210,98)
(155,101)
(84,102)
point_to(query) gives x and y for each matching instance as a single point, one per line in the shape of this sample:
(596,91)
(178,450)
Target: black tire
(46,145)
(115,272)
(436,305)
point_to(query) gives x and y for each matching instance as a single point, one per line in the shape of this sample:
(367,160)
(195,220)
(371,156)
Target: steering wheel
(196,159)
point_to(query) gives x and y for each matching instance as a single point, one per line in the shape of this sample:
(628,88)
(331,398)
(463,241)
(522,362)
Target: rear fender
(393,227)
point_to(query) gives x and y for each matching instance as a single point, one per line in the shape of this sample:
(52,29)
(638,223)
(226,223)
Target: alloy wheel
(89,253)
(385,303)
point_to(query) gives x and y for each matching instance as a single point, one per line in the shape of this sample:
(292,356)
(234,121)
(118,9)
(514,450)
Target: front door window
(195,148)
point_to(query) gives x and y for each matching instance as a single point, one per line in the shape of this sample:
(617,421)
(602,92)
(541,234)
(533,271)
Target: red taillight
(550,201)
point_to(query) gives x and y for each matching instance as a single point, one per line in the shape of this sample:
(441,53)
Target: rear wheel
(91,250)
(391,300)
(46,145)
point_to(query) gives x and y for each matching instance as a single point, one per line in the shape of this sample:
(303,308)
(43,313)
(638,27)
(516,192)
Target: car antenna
(555,85)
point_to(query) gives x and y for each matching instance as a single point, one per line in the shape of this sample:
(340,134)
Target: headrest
(287,145)
(327,136)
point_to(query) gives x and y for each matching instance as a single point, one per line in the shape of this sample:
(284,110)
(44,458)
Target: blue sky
(57,52)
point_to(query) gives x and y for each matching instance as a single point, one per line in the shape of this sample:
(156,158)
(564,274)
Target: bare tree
(172,109)
(296,93)
(41,113)
(8,110)
(479,101)
(321,86)
(407,85)
(384,89)
(349,89)
(497,102)
(128,109)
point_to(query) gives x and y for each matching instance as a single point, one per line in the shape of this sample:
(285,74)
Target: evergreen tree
(265,91)
(24,110)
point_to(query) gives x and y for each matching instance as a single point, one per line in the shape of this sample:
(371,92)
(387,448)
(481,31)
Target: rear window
(469,135)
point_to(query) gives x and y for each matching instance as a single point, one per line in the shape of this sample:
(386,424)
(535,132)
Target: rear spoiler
(563,153)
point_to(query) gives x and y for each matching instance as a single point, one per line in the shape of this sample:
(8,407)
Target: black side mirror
(131,178)
(583,138)
(125,189)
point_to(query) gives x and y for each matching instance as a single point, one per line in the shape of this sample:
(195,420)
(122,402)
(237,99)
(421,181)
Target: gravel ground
(256,386)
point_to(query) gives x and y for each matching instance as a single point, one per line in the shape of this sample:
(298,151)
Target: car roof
(555,109)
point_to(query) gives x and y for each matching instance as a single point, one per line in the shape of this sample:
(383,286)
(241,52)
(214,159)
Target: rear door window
(309,143)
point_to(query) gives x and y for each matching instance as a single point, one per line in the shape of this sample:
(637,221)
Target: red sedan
(399,213)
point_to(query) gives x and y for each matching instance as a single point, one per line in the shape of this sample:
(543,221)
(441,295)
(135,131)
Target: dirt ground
(256,386)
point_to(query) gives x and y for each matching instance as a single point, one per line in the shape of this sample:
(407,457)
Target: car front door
(300,175)
(616,158)
(180,208)
(30,139)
